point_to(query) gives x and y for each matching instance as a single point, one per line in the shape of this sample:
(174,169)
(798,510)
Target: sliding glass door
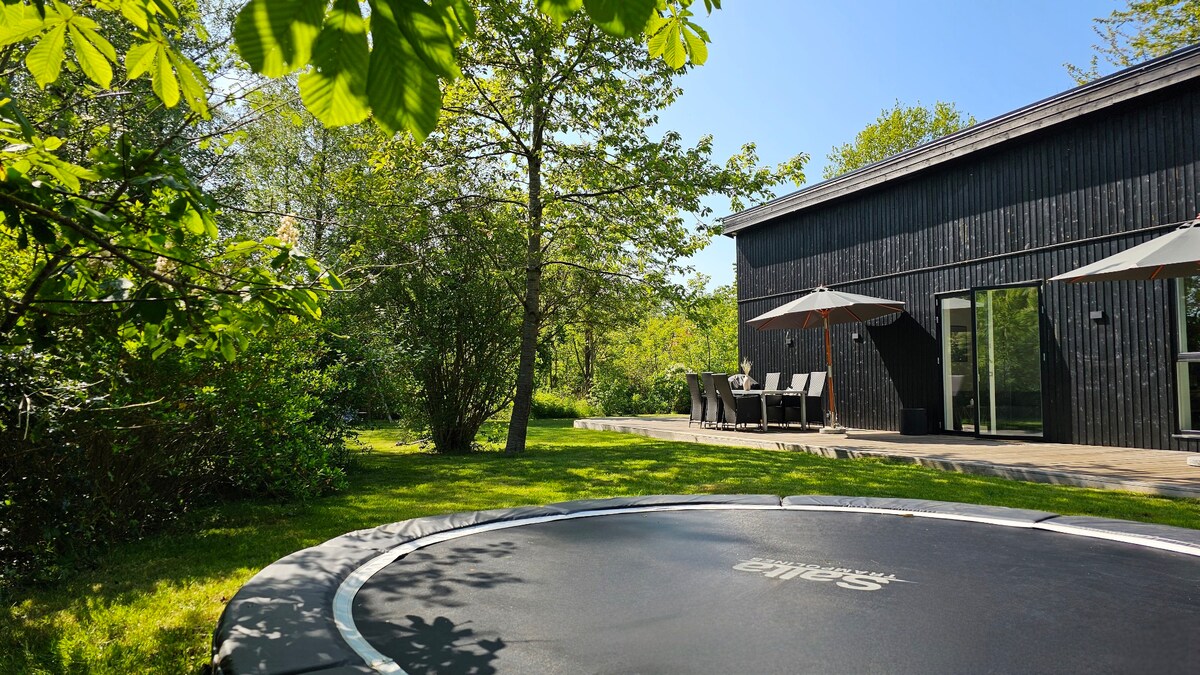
(992,361)
(1008,357)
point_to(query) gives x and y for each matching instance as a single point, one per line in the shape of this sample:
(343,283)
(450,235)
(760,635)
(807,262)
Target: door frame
(937,299)
(1041,311)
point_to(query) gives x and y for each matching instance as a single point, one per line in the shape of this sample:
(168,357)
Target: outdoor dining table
(762,395)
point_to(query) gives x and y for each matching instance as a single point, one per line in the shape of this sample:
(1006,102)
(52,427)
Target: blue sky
(806,75)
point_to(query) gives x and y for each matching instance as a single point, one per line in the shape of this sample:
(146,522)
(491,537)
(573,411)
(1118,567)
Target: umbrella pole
(832,427)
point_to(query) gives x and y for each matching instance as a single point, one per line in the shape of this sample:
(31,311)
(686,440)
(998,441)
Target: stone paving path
(1163,472)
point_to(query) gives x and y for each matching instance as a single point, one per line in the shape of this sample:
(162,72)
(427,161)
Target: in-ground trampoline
(733,584)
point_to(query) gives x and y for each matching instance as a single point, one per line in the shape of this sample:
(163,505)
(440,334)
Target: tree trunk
(322,171)
(518,424)
(589,358)
(452,434)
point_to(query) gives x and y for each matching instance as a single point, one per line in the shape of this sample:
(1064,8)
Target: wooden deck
(1162,472)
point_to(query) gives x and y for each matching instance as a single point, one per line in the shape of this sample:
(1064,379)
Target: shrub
(667,391)
(442,322)
(97,444)
(614,396)
(547,405)
(662,392)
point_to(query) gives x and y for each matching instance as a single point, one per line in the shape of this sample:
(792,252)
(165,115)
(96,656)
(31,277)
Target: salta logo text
(855,580)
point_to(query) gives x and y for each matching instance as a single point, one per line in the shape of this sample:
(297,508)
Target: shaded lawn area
(150,606)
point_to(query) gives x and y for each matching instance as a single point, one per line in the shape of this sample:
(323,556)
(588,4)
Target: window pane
(1191,314)
(1189,413)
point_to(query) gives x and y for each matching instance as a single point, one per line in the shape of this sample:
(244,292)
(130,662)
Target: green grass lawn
(150,606)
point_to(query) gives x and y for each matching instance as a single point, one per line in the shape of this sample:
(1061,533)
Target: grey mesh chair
(712,404)
(793,406)
(815,392)
(697,412)
(774,403)
(737,410)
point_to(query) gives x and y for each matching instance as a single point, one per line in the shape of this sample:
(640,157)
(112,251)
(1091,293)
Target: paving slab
(1160,472)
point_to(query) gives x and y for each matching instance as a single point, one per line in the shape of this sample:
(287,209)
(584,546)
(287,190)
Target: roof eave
(1155,75)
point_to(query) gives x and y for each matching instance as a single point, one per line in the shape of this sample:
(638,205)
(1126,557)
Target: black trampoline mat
(782,591)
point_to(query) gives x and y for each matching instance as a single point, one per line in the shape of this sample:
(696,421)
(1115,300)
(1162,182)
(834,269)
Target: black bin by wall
(913,422)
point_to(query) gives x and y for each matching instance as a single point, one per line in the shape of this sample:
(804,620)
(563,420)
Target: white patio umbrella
(824,307)
(1175,254)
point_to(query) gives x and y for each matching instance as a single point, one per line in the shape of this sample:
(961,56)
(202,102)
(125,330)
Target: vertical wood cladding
(1025,211)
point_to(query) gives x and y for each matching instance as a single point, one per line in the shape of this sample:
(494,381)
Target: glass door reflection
(1008,361)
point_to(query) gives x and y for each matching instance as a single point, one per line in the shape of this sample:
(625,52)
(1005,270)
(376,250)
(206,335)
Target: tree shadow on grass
(214,551)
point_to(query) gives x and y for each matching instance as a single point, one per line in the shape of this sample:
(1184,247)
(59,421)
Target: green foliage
(153,257)
(548,405)
(52,26)
(435,308)
(453,335)
(110,216)
(390,69)
(402,84)
(676,39)
(92,51)
(637,366)
(282,160)
(620,18)
(113,251)
(893,132)
(335,89)
(1142,30)
(279,415)
(654,392)
(96,445)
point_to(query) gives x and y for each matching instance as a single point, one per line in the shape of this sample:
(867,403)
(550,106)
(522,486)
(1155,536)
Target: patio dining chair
(697,413)
(712,404)
(813,396)
(793,410)
(774,403)
(737,410)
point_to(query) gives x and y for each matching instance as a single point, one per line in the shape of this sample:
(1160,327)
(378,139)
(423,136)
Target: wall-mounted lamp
(789,341)
(857,337)
(1098,316)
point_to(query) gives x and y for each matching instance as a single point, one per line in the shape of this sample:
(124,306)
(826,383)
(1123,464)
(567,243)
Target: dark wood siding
(1021,212)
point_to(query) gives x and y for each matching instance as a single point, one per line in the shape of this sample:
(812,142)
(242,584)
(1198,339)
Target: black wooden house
(966,230)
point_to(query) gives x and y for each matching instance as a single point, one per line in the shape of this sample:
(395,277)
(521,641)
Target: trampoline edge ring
(344,598)
(364,553)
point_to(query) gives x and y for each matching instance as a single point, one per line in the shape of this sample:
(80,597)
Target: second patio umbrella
(1175,254)
(823,307)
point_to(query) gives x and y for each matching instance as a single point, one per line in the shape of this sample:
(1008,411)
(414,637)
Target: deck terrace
(1162,472)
